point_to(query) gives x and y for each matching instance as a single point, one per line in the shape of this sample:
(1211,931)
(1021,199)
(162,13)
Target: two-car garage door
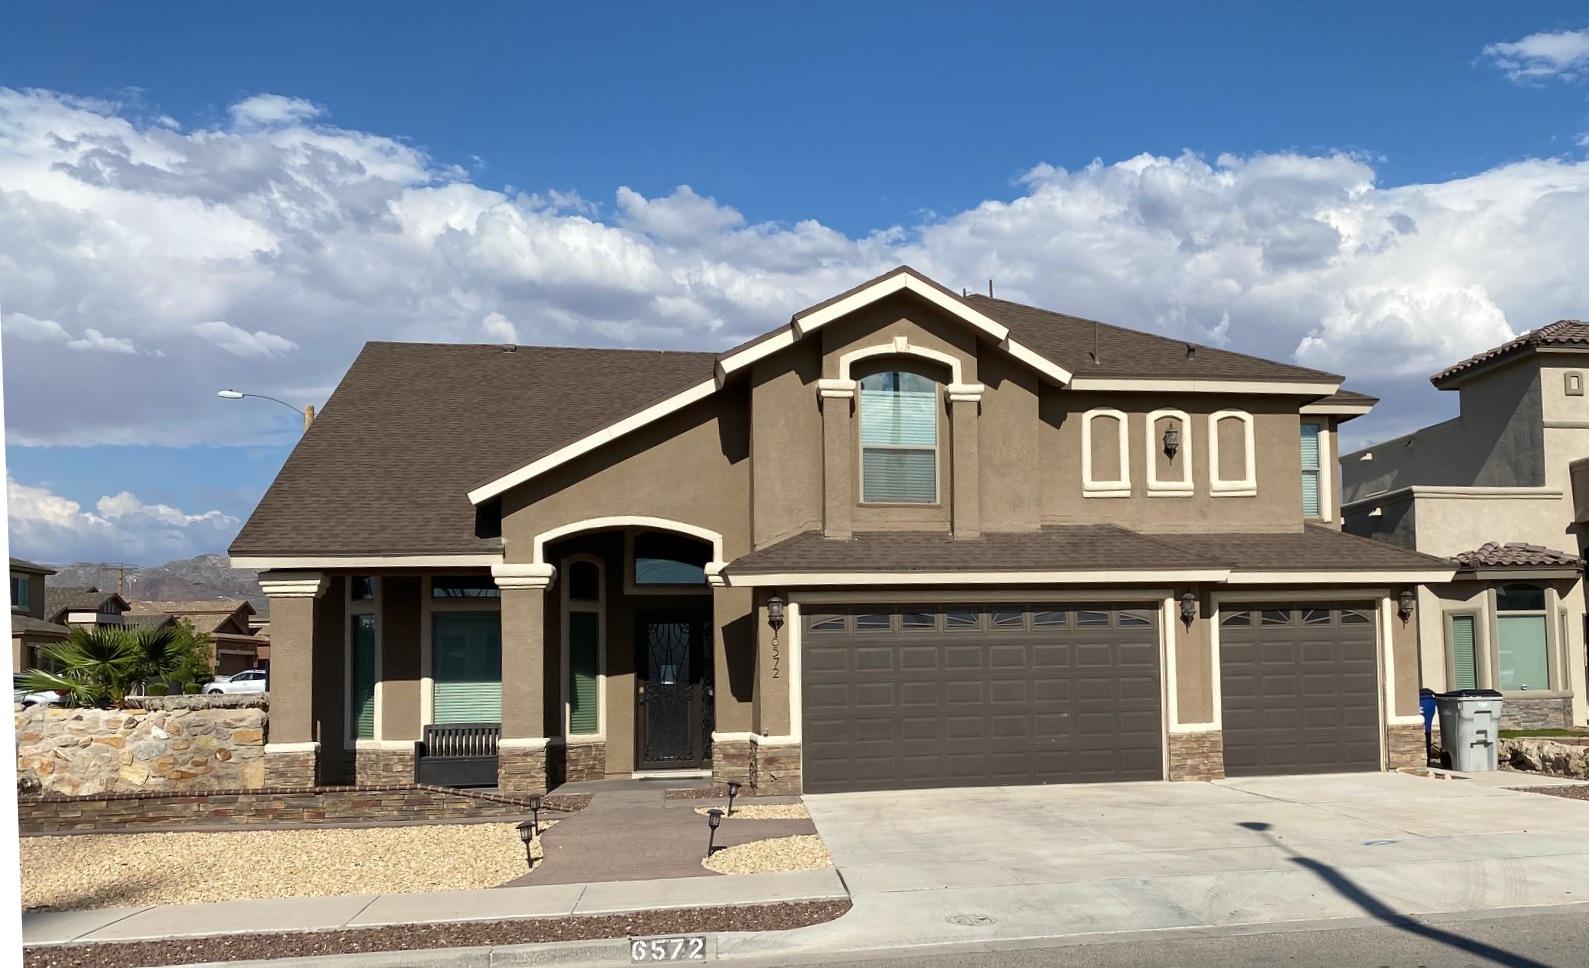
(923,696)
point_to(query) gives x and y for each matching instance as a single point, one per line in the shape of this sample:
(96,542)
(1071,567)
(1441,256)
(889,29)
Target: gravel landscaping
(764,811)
(1575,791)
(410,937)
(802,853)
(109,870)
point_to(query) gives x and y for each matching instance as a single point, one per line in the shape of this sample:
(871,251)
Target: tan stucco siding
(1007,443)
(1194,664)
(786,444)
(400,609)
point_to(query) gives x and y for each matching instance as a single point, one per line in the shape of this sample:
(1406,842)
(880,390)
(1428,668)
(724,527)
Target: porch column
(837,470)
(965,510)
(521,753)
(292,752)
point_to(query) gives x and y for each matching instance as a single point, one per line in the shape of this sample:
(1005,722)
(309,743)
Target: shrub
(100,665)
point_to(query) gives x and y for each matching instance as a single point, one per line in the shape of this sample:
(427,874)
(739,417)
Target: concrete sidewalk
(168,921)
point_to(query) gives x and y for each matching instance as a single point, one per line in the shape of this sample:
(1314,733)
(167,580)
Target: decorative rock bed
(1541,755)
(801,853)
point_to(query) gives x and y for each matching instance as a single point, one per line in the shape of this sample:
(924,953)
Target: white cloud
(121,527)
(94,341)
(499,329)
(1563,54)
(324,237)
(240,342)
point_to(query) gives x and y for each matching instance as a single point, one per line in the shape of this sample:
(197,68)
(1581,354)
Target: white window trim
(428,607)
(1324,470)
(369,606)
(599,608)
(937,447)
(1182,487)
(1247,484)
(1091,487)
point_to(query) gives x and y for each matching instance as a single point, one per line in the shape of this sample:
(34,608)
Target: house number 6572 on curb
(667,949)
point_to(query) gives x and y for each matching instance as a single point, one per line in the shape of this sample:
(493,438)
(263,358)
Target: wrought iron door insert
(672,686)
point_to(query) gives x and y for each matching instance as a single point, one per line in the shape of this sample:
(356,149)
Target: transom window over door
(899,439)
(1523,637)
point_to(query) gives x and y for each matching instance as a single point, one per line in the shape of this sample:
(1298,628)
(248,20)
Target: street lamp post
(307,413)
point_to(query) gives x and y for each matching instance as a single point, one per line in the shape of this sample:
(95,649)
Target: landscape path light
(714,817)
(733,791)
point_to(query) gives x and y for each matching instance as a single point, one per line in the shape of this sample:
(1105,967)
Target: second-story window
(899,439)
(19,592)
(1310,471)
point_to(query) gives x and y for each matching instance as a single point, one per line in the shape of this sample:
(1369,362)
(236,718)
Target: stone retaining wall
(1545,756)
(232,809)
(195,745)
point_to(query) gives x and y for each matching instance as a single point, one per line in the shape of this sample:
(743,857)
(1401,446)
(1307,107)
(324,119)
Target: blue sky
(202,227)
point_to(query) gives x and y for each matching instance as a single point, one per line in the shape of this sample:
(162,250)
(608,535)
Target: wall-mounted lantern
(1172,440)
(1188,608)
(775,613)
(1405,603)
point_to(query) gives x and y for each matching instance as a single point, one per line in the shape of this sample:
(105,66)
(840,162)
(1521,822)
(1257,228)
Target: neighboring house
(1493,489)
(86,607)
(909,538)
(225,622)
(30,631)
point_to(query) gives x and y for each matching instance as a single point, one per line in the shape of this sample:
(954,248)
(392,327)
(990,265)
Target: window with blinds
(1310,471)
(584,644)
(362,636)
(899,439)
(1464,656)
(466,661)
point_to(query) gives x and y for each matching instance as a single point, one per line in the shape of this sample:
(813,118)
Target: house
(1503,490)
(908,538)
(225,622)
(83,606)
(30,631)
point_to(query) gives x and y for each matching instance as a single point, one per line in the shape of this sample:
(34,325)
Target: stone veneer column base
(572,761)
(775,768)
(1197,756)
(731,761)
(292,765)
(383,767)
(1404,746)
(521,769)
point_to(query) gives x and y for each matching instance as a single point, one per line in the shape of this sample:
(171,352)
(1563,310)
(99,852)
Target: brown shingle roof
(387,466)
(1563,332)
(1127,353)
(22,564)
(76,598)
(27,624)
(1516,555)
(1082,548)
(1343,395)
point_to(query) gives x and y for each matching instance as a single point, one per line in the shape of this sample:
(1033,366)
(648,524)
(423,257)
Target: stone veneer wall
(381,767)
(1542,755)
(1197,756)
(1535,713)
(521,770)
(775,770)
(182,744)
(571,762)
(1405,747)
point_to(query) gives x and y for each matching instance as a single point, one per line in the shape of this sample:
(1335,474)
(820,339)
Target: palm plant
(100,665)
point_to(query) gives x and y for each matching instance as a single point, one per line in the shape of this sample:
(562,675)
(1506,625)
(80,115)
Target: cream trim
(1090,487)
(1338,577)
(1168,680)
(1041,364)
(590,442)
(836,389)
(403,745)
(882,288)
(1206,386)
(975,578)
(630,521)
(1247,484)
(1462,492)
(294,585)
(309,747)
(898,346)
(1338,410)
(532,743)
(268,563)
(531,576)
(794,625)
(1515,574)
(599,609)
(1169,488)
(1327,466)
(784,339)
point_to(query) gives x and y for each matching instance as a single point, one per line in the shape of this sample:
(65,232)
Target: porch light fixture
(1188,608)
(733,791)
(714,817)
(1172,441)
(1405,603)
(775,613)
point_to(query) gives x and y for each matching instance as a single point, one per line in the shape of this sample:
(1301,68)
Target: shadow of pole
(1382,912)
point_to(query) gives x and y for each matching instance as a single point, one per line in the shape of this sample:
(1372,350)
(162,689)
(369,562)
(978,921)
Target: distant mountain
(191,579)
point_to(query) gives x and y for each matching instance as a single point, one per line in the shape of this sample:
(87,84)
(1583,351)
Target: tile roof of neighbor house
(1563,332)
(1516,555)
(27,624)
(76,598)
(388,463)
(1091,547)
(22,564)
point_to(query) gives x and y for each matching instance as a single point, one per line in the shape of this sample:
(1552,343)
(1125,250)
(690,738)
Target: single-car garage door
(1300,689)
(923,696)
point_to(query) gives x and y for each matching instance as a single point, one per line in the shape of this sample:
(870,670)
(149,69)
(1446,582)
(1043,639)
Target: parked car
(26,698)
(249,680)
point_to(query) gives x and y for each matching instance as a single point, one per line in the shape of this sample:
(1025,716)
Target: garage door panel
(1300,692)
(988,696)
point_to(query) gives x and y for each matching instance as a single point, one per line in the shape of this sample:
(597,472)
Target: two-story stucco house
(1493,489)
(908,538)
(30,630)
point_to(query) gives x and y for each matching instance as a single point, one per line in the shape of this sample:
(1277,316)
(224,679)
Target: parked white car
(47,698)
(249,680)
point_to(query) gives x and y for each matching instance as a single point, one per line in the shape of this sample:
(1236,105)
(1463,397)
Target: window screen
(467,664)
(899,439)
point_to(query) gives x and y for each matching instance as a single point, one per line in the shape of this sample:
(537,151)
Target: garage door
(979,695)
(1300,689)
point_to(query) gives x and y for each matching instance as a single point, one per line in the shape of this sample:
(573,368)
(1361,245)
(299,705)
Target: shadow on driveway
(1382,912)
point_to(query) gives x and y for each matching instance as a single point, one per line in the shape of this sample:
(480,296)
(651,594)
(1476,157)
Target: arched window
(1522,647)
(899,438)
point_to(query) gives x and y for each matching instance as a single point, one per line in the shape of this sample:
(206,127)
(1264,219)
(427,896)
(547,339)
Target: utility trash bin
(1470,723)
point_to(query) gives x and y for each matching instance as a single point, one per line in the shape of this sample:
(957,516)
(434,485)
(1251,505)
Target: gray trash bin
(1470,723)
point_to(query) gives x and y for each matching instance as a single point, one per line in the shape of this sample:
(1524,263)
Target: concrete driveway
(1013,863)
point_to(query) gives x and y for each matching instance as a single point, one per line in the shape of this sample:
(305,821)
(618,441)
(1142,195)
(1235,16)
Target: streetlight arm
(306,414)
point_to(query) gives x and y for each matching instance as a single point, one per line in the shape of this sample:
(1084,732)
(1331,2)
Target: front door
(673,691)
